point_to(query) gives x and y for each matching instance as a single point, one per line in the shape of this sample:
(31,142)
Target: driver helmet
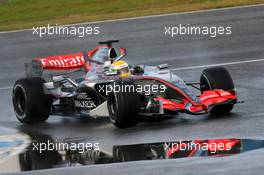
(121,68)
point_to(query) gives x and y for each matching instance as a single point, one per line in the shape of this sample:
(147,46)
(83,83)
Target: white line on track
(190,67)
(6,88)
(145,17)
(220,64)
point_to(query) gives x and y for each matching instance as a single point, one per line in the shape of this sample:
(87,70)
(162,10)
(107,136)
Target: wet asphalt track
(146,43)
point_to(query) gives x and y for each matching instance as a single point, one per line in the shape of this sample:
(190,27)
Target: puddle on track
(32,159)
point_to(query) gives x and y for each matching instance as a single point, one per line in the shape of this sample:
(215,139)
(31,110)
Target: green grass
(18,14)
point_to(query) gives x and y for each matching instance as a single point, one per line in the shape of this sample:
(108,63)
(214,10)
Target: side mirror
(163,66)
(123,53)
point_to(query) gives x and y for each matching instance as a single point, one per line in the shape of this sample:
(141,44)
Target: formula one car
(111,87)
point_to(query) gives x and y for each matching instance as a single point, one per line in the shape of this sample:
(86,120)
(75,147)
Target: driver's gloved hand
(139,69)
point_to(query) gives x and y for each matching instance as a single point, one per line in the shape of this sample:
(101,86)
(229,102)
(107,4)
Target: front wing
(207,100)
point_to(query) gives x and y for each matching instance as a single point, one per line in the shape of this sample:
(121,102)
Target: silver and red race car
(111,87)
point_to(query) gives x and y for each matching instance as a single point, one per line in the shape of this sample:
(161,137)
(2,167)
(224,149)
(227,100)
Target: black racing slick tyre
(123,105)
(217,78)
(30,103)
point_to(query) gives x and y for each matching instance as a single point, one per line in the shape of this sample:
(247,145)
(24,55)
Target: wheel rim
(19,101)
(112,106)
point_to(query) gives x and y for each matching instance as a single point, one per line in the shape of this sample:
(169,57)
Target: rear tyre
(30,103)
(217,78)
(123,105)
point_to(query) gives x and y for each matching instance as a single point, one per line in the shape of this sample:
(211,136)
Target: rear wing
(54,63)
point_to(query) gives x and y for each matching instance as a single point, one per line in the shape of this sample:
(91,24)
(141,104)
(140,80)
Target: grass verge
(19,14)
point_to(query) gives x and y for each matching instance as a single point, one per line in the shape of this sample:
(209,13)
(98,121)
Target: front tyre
(217,78)
(123,105)
(30,103)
